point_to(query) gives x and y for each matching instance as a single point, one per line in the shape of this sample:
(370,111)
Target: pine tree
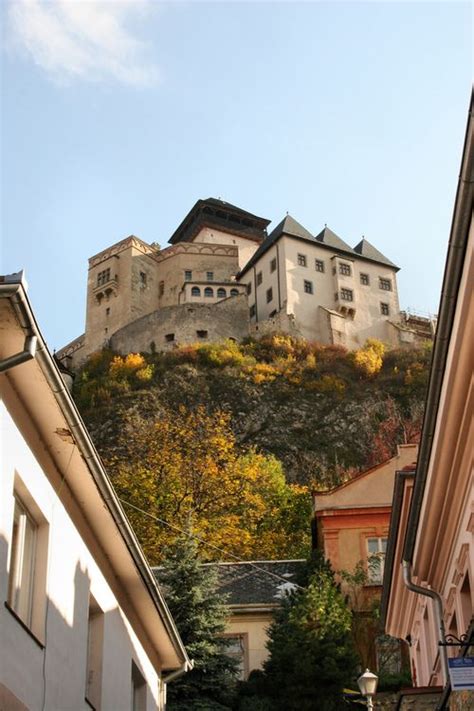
(311,653)
(200,615)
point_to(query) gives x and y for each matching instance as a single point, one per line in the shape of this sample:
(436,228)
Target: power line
(209,545)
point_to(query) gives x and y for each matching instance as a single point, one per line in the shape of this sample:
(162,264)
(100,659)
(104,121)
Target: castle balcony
(211,291)
(106,289)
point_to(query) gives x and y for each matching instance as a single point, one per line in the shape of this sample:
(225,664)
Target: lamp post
(368,686)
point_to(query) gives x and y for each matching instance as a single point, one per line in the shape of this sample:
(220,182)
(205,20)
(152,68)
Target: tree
(187,464)
(311,653)
(200,615)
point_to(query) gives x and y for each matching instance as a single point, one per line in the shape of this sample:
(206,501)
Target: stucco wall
(225,319)
(247,247)
(50,671)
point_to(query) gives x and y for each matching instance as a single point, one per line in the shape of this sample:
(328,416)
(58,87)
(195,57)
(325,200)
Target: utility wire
(209,545)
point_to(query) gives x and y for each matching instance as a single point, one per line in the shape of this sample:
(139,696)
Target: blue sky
(117,117)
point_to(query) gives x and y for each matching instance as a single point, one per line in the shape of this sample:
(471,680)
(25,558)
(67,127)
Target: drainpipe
(27,353)
(183,669)
(438,607)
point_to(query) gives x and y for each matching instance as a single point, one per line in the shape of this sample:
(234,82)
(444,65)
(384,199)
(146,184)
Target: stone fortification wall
(172,326)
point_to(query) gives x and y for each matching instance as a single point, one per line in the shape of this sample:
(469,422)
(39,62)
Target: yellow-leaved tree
(187,466)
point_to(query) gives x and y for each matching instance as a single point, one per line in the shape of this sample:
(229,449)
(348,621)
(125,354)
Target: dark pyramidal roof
(253,584)
(367,250)
(291,227)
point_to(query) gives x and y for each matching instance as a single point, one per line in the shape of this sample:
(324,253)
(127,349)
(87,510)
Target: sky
(117,117)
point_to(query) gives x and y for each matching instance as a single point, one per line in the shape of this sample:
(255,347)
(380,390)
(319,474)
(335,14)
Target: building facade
(83,623)
(428,593)
(222,266)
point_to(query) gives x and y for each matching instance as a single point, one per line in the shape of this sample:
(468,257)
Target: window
(236,649)
(319,265)
(201,334)
(345,269)
(252,311)
(222,293)
(259,278)
(208,292)
(273,265)
(376,549)
(269,295)
(188,275)
(138,689)
(22,563)
(347,295)
(308,287)
(364,279)
(95,638)
(103,277)
(161,288)
(169,337)
(210,276)
(107,311)
(384,309)
(301,259)
(249,288)
(143,278)
(195,291)
(234,292)
(385,284)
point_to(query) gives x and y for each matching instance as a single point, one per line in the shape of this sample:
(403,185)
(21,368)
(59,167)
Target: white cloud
(83,39)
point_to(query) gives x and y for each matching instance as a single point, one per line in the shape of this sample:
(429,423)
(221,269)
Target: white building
(83,623)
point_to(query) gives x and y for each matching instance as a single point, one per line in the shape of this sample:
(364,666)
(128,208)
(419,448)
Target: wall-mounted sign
(461,672)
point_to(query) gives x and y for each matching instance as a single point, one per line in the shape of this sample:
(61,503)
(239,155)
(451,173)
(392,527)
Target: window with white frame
(22,563)
(376,549)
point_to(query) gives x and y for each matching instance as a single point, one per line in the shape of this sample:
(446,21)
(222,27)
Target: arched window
(221,293)
(195,291)
(208,292)
(234,292)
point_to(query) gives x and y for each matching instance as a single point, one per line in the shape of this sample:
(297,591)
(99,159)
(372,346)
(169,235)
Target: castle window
(107,311)
(195,291)
(161,288)
(169,337)
(347,295)
(103,277)
(208,292)
(222,293)
(259,278)
(188,275)
(376,548)
(385,284)
(252,311)
(249,288)
(384,309)
(319,265)
(345,269)
(269,295)
(234,292)
(364,279)
(210,276)
(302,261)
(143,279)
(273,265)
(308,287)
(201,334)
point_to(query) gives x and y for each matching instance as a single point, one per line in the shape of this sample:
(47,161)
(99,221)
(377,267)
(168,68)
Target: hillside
(324,412)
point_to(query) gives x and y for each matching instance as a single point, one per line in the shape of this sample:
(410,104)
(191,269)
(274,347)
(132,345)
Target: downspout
(255,293)
(438,607)
(183,669)
(28,352)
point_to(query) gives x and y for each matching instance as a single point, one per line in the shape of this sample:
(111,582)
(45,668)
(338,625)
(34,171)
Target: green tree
(311,653)
(200,615)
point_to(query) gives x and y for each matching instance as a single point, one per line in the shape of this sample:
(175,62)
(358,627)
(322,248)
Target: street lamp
(368,686)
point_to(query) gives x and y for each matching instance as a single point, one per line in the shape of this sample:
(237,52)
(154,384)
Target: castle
(223,276)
